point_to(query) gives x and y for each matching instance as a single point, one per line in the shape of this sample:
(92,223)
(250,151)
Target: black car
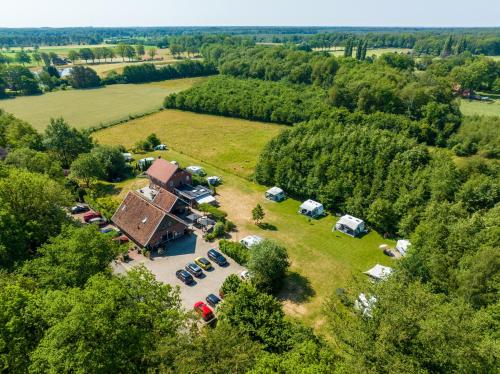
(79,209)
(212,300)
(194,269)
(184,276)
(216,257)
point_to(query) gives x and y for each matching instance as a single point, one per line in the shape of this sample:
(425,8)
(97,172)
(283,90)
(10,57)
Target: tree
(86,168)
(45,57)
(23,57)
(73,55)
(34,161)
(36,57)
(359,50)
(153,139)
(66,142)
(31,210)
(83,77)
(112,162)
(230,351)
(257,314)
(258,214)
(448,47)
(72,257)
(139,51)
(230,285)
(53,58)
(86,54)
(268,265)
(152,53)
(112,325)
(15,133)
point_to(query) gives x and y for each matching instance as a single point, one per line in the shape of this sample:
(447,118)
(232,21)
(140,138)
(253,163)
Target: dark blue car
(216,257)
(212,300)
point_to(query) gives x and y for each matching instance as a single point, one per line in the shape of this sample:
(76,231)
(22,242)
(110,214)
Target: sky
(112,13)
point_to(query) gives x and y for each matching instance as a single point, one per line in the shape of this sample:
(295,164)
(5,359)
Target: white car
(245,275)
(198,170)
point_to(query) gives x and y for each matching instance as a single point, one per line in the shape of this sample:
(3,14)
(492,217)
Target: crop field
(321,260)
(228,143)
(482,108)
(87,108)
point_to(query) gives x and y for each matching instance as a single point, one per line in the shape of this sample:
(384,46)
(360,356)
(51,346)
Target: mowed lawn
(230,144)
(87,108)
(321,260)
(482,108)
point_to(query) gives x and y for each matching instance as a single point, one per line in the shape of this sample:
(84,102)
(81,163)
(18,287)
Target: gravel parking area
(178,254)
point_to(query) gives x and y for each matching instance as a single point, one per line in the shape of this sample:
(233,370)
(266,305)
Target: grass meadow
(321,260)
(88,108)
(482,108)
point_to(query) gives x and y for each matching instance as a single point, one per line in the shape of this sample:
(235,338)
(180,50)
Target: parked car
(79,208)
(99,221)
(91,215)
(184,276)
(217,257)
(203,263)
(122,239)
(194,269)
(204,311)
(212,300)
(245,275)
(106,230)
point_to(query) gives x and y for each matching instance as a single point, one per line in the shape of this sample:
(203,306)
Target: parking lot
(178,254)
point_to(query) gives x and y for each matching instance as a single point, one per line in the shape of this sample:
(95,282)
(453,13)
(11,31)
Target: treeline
(378,175)
(477,135)
(285,103)
(151,73)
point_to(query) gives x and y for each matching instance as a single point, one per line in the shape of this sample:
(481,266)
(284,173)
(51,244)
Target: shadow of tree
(100,189)
(296,289)
(267,226)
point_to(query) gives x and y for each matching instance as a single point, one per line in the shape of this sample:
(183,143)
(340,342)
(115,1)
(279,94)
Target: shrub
(230,285)
(237,251)
(215,213)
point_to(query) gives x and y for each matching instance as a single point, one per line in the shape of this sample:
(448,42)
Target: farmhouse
(147,223)
(311,208)
(167,175)
(275,194)
(350,225)
(379,272)
(403,246)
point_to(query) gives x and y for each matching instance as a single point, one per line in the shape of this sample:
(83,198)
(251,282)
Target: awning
(205,199)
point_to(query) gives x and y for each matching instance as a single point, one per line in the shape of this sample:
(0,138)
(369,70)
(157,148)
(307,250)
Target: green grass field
(482,108)
(231,144)
(86,108)
(321,259)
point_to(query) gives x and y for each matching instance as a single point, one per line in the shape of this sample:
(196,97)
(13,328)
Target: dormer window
(144,220)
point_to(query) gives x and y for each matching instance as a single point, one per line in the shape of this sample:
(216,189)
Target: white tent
(275,194)
(402,246)
(379,272)
(311,208)
(251,240)
(350,225)
(365,304)
(193,169)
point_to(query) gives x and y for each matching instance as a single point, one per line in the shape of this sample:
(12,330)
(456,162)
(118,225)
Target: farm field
(339,51)
(230,144)
(87,108)
(482,108)
(321,260)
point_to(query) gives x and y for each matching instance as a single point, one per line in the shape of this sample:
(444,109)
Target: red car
(121,239)
(204,311)
(91,215)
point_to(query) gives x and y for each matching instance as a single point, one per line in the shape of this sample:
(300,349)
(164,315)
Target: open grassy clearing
(482,108)
(231,144)
(87,108)
(339,51)
(321,260)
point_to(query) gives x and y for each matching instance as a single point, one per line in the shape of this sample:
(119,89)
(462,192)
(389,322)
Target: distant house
(167,175)
(251,240)
(379,272)
(350,225)
(403,246)
(150,223)
(311,208)
(275,194)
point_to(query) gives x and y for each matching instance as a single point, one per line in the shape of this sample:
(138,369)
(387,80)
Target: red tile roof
(138,218)
(165,200)
(162,170)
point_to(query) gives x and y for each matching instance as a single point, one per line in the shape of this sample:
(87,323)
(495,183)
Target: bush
(229,226)
(237,251)
(230,285)
(268,264)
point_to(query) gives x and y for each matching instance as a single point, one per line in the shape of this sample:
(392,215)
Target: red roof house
(167,175)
